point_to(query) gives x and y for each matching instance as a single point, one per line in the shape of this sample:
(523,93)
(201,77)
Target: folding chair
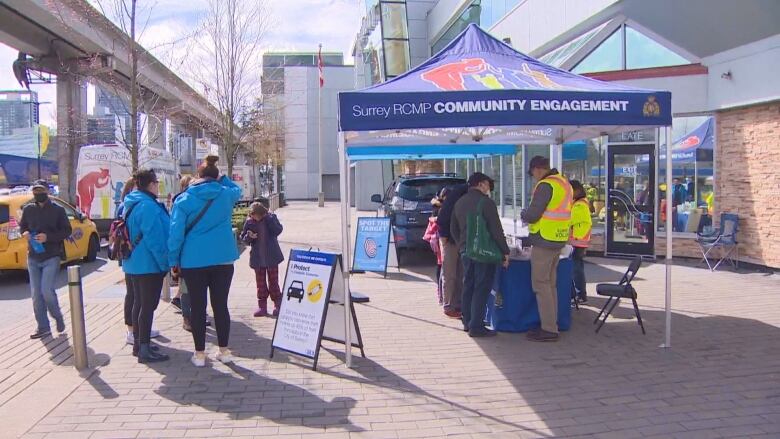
(723,238)
(622,290)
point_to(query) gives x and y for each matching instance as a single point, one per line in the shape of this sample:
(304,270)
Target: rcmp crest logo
(651,107)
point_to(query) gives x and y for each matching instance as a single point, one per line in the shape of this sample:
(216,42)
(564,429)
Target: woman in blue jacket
(202,246)
(148,225)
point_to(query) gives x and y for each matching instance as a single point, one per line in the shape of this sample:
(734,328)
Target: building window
(396,57)
(470,15)
(558,56)
(643,52)
(608,56)
(692,171)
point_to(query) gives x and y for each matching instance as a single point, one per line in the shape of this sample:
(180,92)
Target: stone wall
(747,178)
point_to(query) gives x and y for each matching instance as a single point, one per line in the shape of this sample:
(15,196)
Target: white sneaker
(198,361)
(129,339)
(154,333)
(225,357)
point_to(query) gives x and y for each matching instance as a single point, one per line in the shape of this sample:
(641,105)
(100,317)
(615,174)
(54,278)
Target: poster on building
(202,149)
(372,244)
(305,296)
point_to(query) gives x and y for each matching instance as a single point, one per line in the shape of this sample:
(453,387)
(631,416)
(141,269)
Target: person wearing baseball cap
(549,218)
(45,225)
(477,276)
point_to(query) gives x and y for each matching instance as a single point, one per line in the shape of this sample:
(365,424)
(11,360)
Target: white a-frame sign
(313,306)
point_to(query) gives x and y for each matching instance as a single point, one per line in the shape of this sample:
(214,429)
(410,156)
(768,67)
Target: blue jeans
(477,283)
(43,274)
(580,285)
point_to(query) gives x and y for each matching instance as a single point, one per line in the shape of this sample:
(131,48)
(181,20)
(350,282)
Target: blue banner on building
(372,244)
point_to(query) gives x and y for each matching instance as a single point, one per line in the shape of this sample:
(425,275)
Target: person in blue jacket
(148,224)
(202,248)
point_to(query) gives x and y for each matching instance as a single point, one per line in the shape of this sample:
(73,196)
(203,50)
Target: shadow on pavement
(244,393)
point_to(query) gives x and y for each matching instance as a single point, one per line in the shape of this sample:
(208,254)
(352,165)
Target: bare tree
(263,131)
(230,52)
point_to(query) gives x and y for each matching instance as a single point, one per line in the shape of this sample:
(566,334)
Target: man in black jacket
(452,269)
(478,276)
(45,225)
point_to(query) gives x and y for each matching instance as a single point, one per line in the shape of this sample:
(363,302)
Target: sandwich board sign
(306,302)
(372,245)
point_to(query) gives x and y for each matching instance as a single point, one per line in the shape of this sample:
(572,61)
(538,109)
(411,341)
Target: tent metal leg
(345,248)
(669,172)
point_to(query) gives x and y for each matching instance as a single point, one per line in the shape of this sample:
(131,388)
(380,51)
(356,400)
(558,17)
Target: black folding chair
(622,290)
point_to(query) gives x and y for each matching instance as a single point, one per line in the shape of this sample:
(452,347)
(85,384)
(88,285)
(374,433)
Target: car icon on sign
(295,290)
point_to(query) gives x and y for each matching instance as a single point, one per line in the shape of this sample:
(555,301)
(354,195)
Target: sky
(297,25)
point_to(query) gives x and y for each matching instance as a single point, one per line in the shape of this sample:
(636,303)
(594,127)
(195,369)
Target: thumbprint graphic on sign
(369,245)
(314,291)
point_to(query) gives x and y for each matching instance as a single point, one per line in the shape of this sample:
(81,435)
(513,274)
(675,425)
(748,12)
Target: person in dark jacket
(45,225)
(148,224)
(452,269)
(205,253)
(477,276)
(261,231)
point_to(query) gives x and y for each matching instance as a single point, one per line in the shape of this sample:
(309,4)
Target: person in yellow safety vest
(581,224)
(549,217)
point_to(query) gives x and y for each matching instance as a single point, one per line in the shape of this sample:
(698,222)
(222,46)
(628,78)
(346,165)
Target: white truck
(102,171)
(244,178)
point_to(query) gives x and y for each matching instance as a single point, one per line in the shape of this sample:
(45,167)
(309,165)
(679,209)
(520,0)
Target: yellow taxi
(82,244)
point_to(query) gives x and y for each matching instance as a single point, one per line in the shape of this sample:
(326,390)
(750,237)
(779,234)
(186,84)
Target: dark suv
(407,201)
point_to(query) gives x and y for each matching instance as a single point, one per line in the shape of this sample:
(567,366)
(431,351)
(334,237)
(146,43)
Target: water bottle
(36,246)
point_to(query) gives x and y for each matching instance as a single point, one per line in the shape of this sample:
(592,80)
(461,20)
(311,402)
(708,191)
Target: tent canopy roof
(480,91)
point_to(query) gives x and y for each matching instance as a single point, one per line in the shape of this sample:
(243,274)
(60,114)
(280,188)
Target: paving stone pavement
(423,377)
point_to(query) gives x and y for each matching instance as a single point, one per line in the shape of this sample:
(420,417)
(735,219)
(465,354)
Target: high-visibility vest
(554,224)
(581,223)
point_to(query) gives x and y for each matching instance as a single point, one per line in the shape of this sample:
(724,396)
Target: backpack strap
(197,218)
(127,216)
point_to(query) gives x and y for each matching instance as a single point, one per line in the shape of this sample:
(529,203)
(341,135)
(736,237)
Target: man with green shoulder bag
(476,228)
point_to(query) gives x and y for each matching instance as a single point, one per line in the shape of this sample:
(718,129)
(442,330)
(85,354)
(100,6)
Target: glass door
(630,216)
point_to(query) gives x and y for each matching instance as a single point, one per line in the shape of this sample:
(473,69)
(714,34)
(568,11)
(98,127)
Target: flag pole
(320,68)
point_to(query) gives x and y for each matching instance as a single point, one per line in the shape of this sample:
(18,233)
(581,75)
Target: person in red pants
(261,231)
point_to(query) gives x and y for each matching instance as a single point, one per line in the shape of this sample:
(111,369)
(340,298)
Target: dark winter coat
(265,248)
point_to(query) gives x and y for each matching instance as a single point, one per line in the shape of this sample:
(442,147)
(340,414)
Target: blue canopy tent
(479,96)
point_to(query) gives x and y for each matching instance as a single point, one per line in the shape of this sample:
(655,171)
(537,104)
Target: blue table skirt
(518,311)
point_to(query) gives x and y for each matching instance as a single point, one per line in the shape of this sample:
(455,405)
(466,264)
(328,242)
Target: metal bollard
(79,331)
(166,288)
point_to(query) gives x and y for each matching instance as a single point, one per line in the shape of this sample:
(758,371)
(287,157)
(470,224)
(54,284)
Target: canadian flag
(320,67)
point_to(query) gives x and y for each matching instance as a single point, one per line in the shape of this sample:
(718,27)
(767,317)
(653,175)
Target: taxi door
(77,243)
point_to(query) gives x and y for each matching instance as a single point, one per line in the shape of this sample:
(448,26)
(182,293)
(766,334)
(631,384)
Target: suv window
(425,188)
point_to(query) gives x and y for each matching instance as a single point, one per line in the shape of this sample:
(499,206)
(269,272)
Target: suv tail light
(13,229)
(398,203)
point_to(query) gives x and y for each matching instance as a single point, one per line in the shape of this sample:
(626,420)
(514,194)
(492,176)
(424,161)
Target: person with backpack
(477,275)
(261,230)
(581,224)
(203,248)
(147,224)
(128,187)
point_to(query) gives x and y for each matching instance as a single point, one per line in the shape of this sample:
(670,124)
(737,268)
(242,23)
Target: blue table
(518,311)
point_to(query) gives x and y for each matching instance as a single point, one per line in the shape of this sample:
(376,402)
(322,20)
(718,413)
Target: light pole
(320,68)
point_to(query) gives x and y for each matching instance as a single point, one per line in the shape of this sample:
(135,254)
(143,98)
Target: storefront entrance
(630,216)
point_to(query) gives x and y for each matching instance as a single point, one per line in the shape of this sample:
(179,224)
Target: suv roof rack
(431,174)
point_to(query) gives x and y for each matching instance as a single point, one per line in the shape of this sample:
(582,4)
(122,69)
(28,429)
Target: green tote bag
(479,244)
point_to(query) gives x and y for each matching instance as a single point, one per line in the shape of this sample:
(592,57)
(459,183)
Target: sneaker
(465,328)
(261,312)
(154,333)
(40,334)
(481,332)
(176,301)
(276,312)
(129,339)
(543,336)
(224,356)
(582,300)
(186,325)
(61,325)
(198,360)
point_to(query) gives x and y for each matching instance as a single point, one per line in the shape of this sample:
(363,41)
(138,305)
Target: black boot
(146,355)
(152,347)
